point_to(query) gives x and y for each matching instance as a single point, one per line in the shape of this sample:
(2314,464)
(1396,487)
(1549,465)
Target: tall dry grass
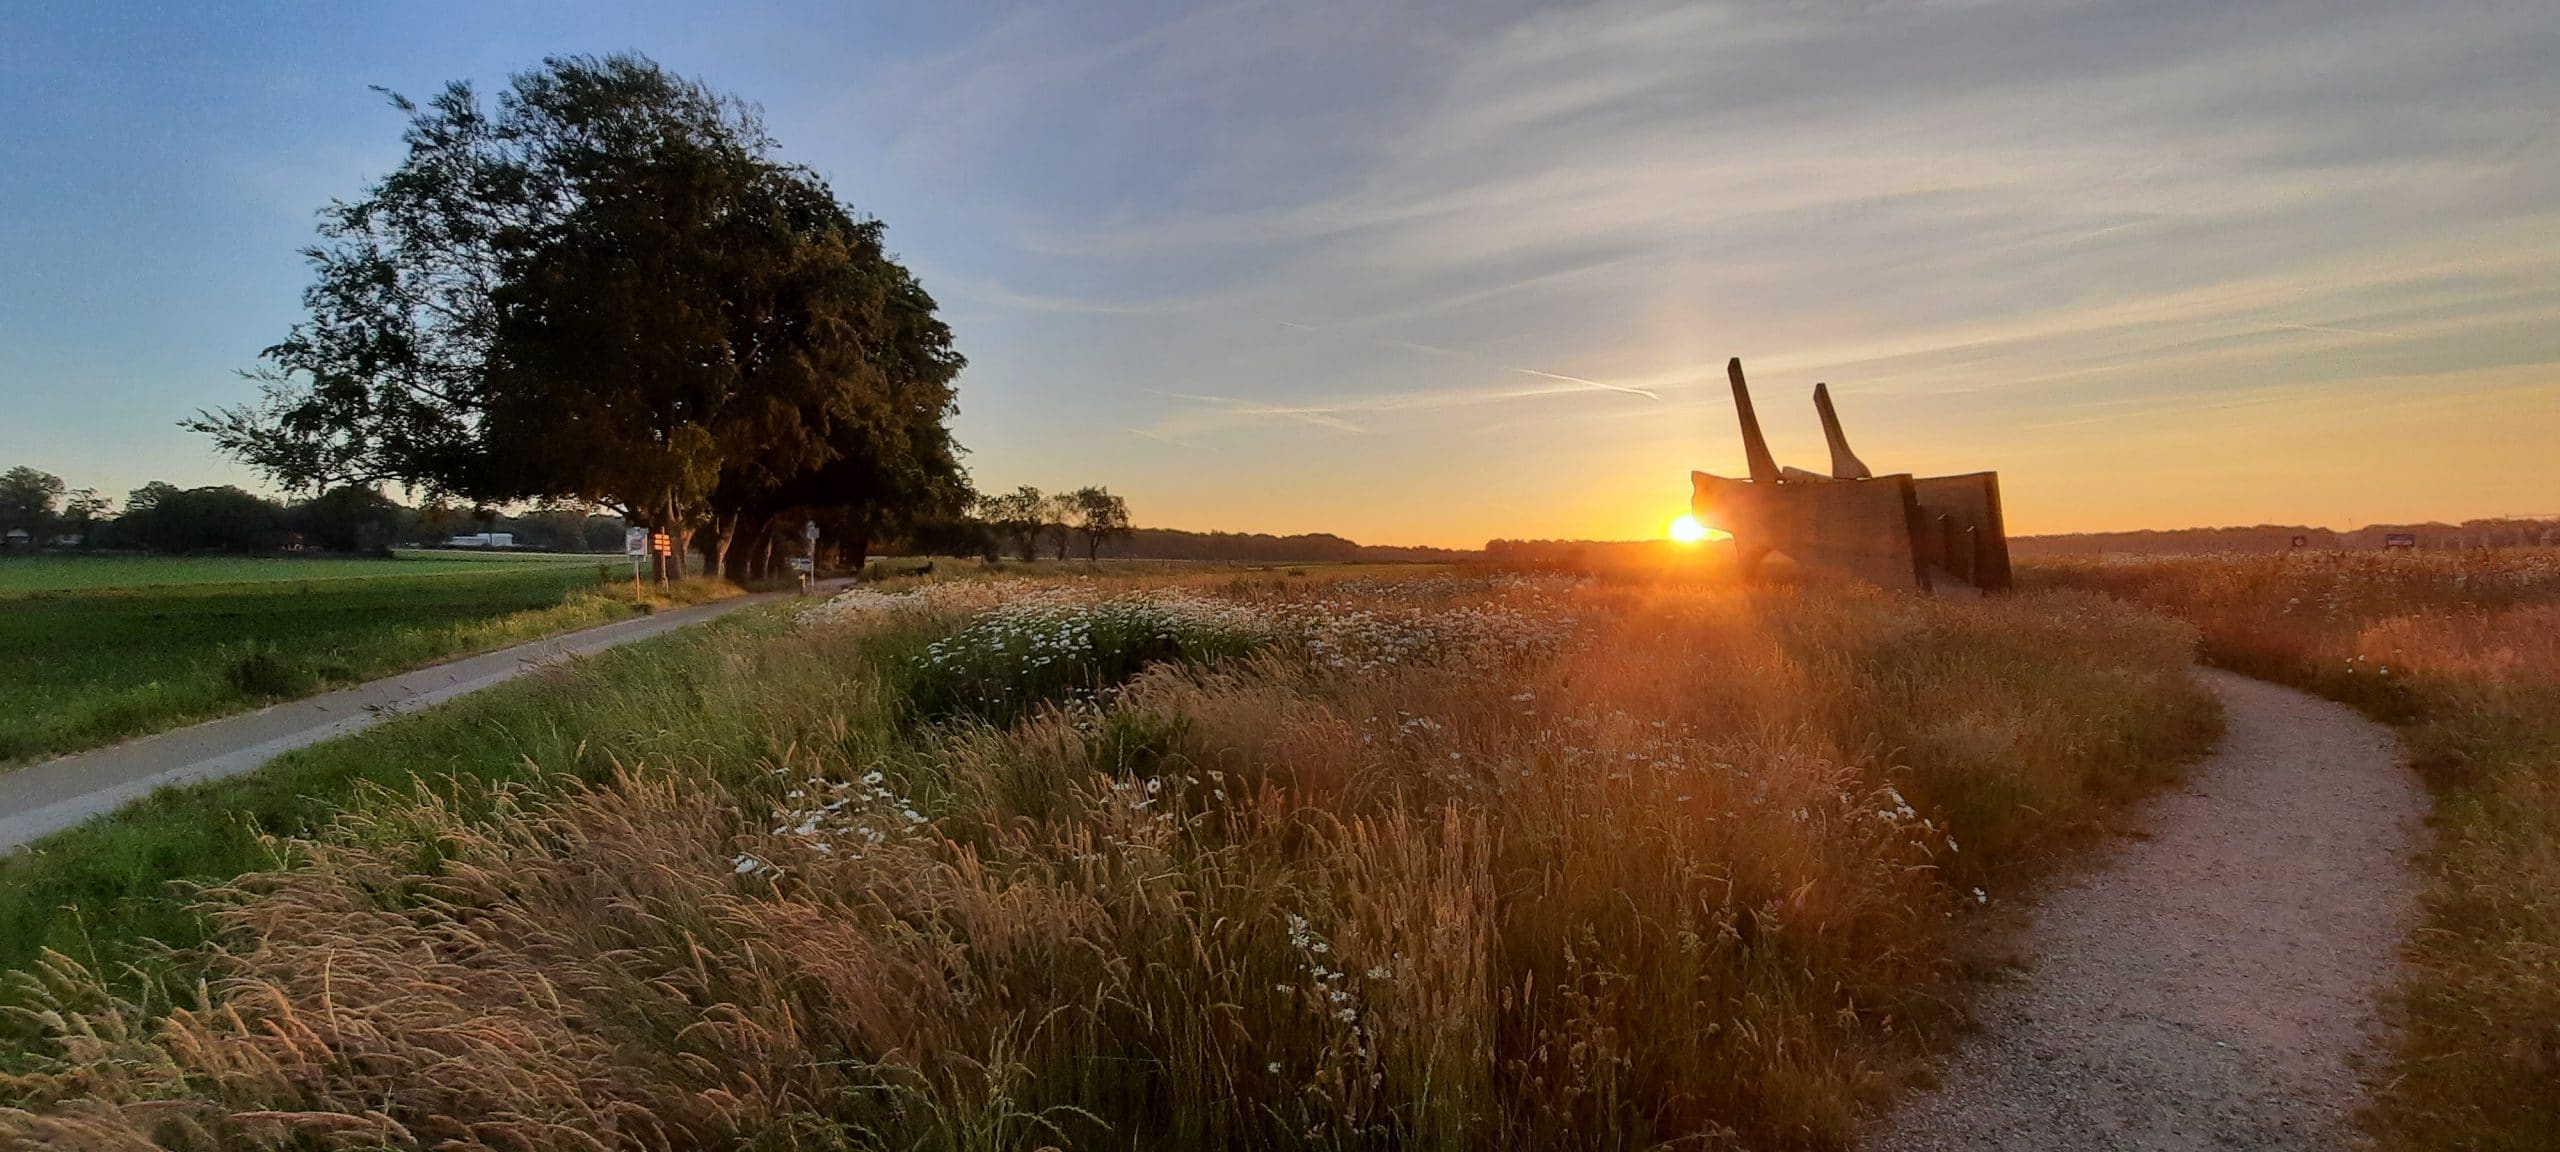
(1526,863)
(2462,650)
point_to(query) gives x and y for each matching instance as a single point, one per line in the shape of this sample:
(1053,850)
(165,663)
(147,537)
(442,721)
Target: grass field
(2462,652)
(1267,861)
(56,572)
(93,650)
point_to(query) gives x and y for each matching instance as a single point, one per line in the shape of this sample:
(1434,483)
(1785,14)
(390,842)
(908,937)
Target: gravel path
(2212,984)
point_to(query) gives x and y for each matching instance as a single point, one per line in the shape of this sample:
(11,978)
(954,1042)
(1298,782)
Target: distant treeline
(1264,548)
(990,537)
(36,511)
(1578,555)
(2494,533)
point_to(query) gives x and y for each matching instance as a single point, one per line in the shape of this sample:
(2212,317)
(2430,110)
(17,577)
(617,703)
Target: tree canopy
(27,498)
(604,287)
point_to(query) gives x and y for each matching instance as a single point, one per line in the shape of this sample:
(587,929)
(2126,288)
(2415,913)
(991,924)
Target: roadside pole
(807,565)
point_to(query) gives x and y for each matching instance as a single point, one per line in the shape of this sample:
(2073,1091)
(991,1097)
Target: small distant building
(483,540)
(2403,540)
(17,538)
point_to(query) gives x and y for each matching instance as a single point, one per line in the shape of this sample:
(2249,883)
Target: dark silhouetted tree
(27,500)
(602,289)
(1099,516)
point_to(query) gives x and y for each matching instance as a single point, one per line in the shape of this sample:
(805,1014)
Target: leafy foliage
(605,288)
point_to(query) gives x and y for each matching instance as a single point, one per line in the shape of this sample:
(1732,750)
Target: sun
(1687,530)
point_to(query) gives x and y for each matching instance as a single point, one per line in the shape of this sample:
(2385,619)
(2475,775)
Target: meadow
(61,572)
(97,649)
(2460,650)
(1447,860)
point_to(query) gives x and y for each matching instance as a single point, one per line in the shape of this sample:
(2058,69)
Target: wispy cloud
(2035,211)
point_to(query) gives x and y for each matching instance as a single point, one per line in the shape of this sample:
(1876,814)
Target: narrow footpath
(2213,983)
(50,795)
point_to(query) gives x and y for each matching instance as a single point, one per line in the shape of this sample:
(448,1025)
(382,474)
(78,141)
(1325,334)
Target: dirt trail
(2212,985)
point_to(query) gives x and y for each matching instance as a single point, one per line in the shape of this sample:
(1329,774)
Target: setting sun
(1687,530)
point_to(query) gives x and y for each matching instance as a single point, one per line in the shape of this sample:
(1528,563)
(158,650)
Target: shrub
(259,669)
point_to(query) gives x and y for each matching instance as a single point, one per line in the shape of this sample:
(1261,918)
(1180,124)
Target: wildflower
(1275,1067)
(1981,897)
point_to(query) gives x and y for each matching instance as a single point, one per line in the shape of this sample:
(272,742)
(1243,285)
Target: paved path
(2213,985)
(51,795)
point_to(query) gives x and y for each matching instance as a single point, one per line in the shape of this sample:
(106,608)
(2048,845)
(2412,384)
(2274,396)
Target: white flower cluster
(1363,639)
(822,814)
(1061,627)
(943,598)
(1355,626)
(1325,988)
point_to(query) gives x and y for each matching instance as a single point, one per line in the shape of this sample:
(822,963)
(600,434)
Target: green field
(58,573)
(93,650)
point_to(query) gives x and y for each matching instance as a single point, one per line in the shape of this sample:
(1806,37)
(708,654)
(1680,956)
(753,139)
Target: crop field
(2462,652)
(61,573)
(1171,861)
(93,650)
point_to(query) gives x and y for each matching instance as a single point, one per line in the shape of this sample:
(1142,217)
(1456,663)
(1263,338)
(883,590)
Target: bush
(1012,660)
(258,668)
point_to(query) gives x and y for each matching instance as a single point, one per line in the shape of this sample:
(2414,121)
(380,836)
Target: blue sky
(1439,272)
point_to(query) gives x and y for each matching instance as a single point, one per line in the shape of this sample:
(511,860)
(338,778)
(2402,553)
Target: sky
(1439,272)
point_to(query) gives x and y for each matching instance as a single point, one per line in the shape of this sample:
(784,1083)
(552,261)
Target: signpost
(635,544)
(807,565)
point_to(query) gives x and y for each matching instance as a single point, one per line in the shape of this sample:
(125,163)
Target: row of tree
(1027,519)
(603,288)
(37,504)
(162,517)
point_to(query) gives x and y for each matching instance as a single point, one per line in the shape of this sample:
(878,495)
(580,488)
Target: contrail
(1629,389)
(2342,331)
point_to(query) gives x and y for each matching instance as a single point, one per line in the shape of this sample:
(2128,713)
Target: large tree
(603,288)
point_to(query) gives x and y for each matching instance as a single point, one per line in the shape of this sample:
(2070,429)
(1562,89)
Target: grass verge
(2462,652)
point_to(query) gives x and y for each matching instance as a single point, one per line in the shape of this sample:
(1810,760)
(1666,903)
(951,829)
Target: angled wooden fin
(1845,464)
(1764,467)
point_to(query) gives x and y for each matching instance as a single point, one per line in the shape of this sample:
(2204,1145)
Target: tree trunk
(677,539)
(715,550)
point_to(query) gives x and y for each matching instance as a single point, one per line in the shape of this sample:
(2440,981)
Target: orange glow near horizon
(1687,530)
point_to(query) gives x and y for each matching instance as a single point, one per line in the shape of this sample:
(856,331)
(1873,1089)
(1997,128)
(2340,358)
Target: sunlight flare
(1687,530)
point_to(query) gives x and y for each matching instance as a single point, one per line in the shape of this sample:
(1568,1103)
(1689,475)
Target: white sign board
(809,531)
(802,564)
(635,542)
